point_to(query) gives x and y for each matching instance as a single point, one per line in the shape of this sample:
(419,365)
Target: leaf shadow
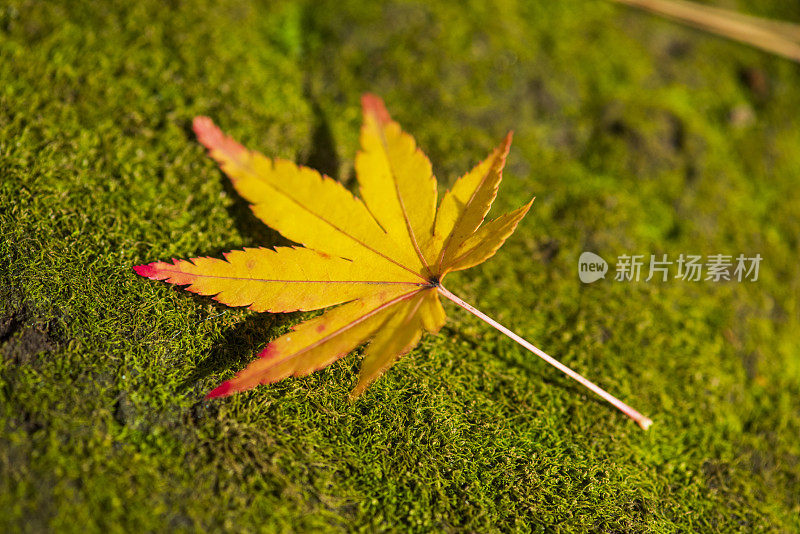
(533,367)
(238,346)
(253,231)
(322,154)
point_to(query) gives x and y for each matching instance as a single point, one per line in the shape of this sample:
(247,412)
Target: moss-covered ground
(636,135)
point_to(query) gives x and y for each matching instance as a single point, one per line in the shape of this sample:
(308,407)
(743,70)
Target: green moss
(637,136)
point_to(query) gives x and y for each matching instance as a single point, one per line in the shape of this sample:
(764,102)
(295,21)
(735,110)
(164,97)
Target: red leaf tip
(207,132)
(505,147)
(202,123)
(222,390)
(373,105)
(212,137)
(147,270)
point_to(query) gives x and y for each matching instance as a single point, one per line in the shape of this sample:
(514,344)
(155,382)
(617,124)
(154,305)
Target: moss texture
(636,135)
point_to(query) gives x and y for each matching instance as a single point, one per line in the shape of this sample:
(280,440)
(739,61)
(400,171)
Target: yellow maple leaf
(382,257)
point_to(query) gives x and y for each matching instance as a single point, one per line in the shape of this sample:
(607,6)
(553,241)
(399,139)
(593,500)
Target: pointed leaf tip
(222,390)
(373,105)
(213,139)
(205,128)
(504,148)
(147,270)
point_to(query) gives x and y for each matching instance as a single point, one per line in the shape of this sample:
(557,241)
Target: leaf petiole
(642,420)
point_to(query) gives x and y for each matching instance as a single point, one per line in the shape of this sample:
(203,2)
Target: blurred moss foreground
(636,135)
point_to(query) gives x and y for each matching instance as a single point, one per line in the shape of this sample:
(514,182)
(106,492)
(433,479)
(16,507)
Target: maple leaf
(381,257)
